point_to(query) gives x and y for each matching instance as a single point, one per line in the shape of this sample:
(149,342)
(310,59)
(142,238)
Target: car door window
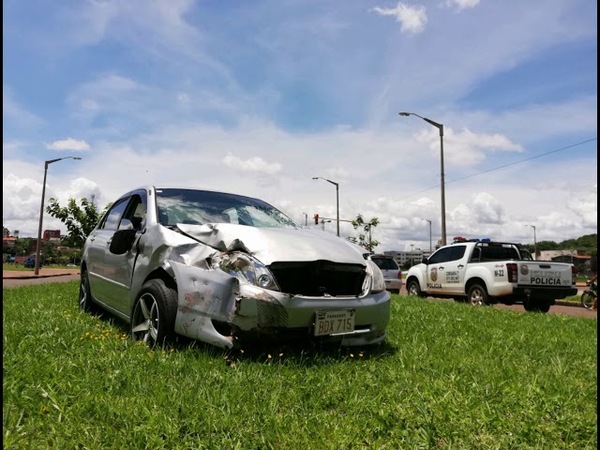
(113,216)
(442,255)
(457,252)
(447,254)
(135,213)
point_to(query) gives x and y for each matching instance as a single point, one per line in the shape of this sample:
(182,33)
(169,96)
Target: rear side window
(498,253)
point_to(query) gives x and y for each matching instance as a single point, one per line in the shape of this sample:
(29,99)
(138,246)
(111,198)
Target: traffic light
(316,219)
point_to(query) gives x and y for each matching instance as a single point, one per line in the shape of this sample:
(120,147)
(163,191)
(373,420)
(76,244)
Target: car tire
(414,289)
(536,305)
(153,315)
(86,304)
(478,295)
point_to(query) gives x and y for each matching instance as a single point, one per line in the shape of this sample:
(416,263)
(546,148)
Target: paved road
(20,278)
(12,278)
(12,282)
(575,310)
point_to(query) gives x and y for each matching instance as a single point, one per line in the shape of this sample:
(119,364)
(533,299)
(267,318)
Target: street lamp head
(50,161)
(404,113)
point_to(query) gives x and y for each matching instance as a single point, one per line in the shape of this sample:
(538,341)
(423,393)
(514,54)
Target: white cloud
(412,19)
(462,4)
(68,144)
(255,164)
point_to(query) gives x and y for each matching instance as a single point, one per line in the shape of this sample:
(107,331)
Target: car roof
(151,187)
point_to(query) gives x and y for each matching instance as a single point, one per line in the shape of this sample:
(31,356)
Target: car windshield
(191,206)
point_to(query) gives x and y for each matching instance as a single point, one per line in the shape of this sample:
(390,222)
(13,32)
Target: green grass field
(450,376)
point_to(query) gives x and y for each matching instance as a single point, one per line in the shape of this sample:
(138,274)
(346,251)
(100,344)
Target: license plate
(336,321)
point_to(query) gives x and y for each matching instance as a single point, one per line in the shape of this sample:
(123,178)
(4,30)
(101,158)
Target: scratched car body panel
(228,269)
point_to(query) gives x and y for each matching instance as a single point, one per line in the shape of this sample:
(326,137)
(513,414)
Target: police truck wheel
(414,289)
(536,305)
(478,295)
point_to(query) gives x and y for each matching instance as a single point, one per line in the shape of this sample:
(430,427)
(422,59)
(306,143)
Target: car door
(445,270)
(453,271)
(109,273)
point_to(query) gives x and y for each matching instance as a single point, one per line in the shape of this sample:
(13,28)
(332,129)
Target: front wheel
(587,299)
(413,288)
(153,316)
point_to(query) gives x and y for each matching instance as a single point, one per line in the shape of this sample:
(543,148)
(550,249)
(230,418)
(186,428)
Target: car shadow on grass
(306,352)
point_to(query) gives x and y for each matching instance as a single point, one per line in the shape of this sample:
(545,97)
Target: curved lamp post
(440,127)
(534,242)
(430,249)
(337,200)
(38,244)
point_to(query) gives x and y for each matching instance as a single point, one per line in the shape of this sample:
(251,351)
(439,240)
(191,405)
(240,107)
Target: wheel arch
(161,274)
(473,281)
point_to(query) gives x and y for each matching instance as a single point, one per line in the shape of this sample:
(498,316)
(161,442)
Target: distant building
(412,257)
(8,242)
(51,235)
(580,259)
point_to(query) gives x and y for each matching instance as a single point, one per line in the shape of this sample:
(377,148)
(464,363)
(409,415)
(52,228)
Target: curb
(31,277)
(563,303)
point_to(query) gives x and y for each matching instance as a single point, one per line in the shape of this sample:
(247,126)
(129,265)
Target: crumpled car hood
(276,244)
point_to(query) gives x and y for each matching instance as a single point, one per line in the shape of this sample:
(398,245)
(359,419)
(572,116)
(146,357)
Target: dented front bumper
(214,307)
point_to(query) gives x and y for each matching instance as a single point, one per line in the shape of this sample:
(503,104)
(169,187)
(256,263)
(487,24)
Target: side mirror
(122,241)
(424,260)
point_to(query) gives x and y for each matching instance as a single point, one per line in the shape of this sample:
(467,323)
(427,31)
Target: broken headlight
(248,270)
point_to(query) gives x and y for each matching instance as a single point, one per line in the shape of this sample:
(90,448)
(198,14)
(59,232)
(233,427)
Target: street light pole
(430,249)
(534,242)
(440,127)
(337,200)
(38,244)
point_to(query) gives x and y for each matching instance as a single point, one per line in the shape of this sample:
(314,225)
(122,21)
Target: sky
(258,98)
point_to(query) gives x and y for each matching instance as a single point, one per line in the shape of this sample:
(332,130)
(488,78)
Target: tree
(364,238)
(79,220)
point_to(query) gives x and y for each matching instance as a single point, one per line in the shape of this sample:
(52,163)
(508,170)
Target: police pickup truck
(483,272)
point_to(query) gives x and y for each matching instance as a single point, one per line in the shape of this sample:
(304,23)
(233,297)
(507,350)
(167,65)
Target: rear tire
(153,316)
(542,306)
(478,295)
(86,304)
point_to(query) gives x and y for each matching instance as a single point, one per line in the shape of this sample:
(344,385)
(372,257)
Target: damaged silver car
(227,269)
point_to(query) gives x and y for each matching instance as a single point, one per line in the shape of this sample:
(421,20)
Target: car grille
(319,278)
